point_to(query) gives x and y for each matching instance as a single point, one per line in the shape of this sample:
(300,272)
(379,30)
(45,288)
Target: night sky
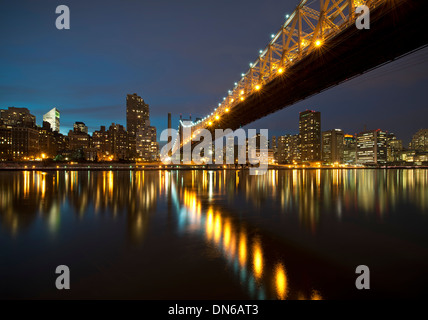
(181,57)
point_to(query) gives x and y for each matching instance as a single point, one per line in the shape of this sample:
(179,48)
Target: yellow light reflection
(281,282)
(217,228)
(316,295)
(242,249)
(257,259)
(209,224)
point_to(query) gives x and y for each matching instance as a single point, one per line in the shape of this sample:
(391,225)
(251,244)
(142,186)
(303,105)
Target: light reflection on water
(246,219)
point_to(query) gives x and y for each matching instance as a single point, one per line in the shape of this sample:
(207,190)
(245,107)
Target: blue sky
(181,57)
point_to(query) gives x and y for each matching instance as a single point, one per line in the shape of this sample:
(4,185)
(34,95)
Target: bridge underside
(396,28)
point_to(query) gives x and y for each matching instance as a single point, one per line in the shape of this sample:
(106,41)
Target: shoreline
(160,166)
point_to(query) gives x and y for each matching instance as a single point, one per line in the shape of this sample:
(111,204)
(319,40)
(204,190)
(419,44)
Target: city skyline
(93,88)
(196,151)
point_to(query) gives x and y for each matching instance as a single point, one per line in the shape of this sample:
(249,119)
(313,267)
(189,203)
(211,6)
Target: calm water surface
(291,234)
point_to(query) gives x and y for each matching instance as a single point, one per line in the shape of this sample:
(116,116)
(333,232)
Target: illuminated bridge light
(227,110)
(210,123)
(280,70)
(242,98)
(217,117)
(258,87)
(318,43)
(242,92)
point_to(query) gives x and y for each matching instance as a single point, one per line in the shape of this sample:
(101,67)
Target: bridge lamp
(210,123)
(242,98)
(232,100)
(287,16)
(318,43)
(227,110)
(272,36)
(242,92)
(217,117)
(280,70)
(258,87)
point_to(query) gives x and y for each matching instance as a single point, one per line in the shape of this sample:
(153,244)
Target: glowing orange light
(281,282)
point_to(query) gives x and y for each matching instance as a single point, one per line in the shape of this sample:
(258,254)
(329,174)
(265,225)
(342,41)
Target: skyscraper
(349,149)
(53,118)
(17,117)
(394,147)
(147,146)
(332,146)
(420,140)
(80,127)
(310,135)
(137,113)
(371,147)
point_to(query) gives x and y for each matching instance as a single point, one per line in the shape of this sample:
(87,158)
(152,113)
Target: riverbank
(74,166)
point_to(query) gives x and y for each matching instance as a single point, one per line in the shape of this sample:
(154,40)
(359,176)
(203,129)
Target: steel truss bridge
(318,46)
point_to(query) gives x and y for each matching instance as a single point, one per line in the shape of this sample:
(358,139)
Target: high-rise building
(146,144)
(349,149)
(420,140)
(53,118)
(137,113)
(25,143)
(274,147)
(80,127)
(283,149)
(18,143)
(17,117)
(332,146)
(5,144)
(310,135)
(119,141)
(371,147)
(102,144)
(394,147)
(288,148)
(47,141)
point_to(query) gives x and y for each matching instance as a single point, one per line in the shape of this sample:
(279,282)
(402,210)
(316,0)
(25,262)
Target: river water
(195,234)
